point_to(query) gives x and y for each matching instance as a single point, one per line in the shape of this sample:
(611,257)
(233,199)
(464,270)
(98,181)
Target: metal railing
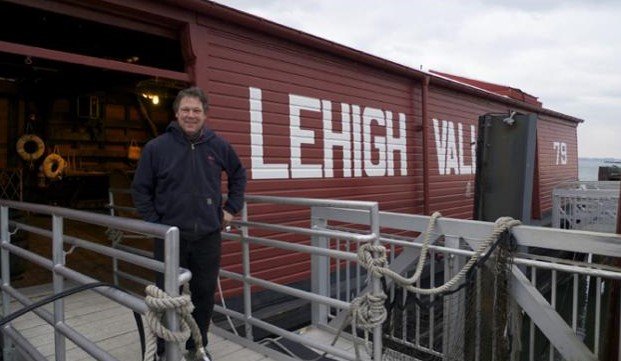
(320,255)
(552,330)
(553,266)
(174,276)
(316,250)
(119,239)
(590,206)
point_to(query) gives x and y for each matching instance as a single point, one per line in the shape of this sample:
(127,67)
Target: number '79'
(561,152)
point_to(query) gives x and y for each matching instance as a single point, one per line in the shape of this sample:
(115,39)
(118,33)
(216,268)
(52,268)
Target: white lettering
(396,144)
(561,152)
(356,120)
(463,168)
(365,150)
(333,139)
(260,170)
(299,136)
(441,141)
(450,148)
(371,169)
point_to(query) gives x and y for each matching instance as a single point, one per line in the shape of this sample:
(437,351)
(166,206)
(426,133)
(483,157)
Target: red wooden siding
(279,95)
(278,71)
(245,67)
(557,148)
(253,78)
(452,188)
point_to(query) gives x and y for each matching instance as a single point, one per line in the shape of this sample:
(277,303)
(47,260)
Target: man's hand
(226,220)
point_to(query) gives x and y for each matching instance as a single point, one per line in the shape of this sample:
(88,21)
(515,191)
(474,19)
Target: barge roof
(223,12)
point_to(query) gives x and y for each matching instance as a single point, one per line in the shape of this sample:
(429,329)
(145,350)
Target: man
(177,183)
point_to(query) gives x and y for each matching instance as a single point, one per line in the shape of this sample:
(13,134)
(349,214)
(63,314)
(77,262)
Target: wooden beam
(87,10)
(90,61)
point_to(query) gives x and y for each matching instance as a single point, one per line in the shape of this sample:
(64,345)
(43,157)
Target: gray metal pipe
(311,232)
(171,287)
(135,303)
(21,298)
(332,203)
(592,269)
(58,255)
(130,225)
(23,344)
(140,260)
(298,247)
(84,343)
(287,290)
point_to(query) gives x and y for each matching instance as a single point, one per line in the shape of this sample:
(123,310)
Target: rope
(114,235)
(377,267)
(367,311)
(159,302)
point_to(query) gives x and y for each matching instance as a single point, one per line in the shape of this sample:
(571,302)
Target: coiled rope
(159,302)
(367,311)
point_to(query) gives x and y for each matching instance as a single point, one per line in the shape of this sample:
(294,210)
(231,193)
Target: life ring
(30,154)
(53,166)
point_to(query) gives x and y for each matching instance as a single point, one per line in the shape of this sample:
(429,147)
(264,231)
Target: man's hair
(192,92)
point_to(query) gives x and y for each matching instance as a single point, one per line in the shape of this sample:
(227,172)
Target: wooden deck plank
(109,325)
(243,354)
(327,338)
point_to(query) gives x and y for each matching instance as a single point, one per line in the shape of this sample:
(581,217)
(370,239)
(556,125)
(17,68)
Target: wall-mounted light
(154,98)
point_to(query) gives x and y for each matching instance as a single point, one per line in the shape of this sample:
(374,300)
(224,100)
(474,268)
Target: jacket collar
(175,129)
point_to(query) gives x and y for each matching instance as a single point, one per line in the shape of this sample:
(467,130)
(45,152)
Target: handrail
(299,201)
(331,246)
(140,260)
(173,276)
(370,209)
(130,225)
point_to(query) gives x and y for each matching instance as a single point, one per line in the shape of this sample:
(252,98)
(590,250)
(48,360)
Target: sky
(566,52)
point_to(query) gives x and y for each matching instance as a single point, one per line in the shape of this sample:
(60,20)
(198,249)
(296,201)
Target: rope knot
(159,302)
(114,235)
(368,310)
(373,263)
(504,224)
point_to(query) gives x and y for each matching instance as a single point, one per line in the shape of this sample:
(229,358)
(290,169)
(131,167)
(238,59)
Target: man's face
(191,115)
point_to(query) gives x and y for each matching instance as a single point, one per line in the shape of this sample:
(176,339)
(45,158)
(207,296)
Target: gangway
(329,233)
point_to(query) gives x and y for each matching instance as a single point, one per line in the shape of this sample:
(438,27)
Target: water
(588,167)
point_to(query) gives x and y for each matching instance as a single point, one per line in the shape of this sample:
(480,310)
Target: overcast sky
(568,53)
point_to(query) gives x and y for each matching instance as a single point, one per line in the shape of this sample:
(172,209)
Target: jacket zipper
(195,189)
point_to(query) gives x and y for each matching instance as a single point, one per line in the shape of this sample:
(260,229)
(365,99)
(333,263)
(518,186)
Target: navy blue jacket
(178,182)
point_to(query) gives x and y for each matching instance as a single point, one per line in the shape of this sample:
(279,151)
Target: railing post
(171,286)
(556,209)
(6,278)
(115,261)
(320,266)
(111,202)
(376,284)
(58,256)
(246,270)
(454,307)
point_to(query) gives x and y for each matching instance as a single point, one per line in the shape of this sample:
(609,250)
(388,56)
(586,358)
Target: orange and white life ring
(30,147)
(53,166)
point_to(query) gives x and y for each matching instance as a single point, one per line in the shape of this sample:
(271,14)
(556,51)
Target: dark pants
(201,255)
